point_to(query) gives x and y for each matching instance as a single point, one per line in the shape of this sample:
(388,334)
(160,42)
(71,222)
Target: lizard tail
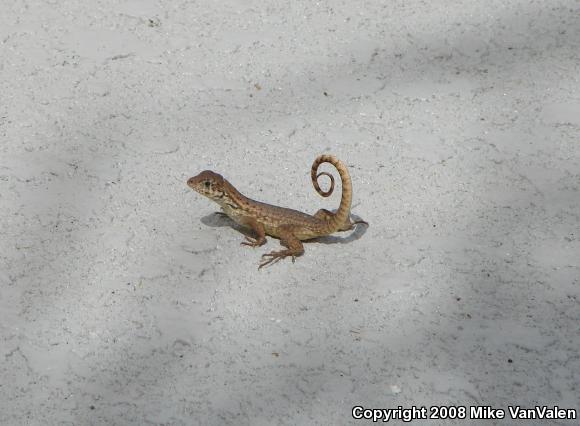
(343,213)
(317,187)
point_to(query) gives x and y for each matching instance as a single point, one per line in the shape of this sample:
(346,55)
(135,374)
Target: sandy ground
(125,300)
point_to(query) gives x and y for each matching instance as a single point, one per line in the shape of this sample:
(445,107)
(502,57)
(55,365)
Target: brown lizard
(290,226)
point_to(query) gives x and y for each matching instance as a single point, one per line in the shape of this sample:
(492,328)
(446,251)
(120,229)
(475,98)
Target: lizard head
(209,184)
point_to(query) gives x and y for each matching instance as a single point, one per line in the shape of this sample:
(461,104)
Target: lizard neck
(231,200)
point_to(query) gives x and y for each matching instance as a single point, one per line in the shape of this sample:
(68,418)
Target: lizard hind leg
(324,214)
(327,215)
(294,249)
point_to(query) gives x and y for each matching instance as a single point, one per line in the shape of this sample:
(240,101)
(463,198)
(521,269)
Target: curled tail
(342,215)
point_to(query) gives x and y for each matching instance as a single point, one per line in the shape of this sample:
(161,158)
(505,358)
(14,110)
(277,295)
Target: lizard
(290,226)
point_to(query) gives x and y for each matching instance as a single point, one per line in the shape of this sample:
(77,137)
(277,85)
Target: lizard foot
(276,256)
(253,242)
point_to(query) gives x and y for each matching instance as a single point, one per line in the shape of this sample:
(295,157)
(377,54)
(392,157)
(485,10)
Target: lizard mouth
(191,183)
(207,192)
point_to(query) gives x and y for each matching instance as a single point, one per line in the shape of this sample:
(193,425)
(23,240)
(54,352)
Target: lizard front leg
(289,240)
(258,229)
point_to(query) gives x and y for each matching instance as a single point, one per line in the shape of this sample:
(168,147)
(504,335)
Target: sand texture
(125,300)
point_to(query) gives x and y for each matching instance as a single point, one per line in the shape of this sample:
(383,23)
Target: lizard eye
(207,184)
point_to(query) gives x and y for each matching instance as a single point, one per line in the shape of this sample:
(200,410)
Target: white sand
(124,300)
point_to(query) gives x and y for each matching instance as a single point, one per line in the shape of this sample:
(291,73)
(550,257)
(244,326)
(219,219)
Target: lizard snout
(193,183)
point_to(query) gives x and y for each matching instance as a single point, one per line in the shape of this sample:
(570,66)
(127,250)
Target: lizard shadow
(218,220)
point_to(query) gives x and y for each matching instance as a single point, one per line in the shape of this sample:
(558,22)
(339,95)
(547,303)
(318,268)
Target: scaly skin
(290,226)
